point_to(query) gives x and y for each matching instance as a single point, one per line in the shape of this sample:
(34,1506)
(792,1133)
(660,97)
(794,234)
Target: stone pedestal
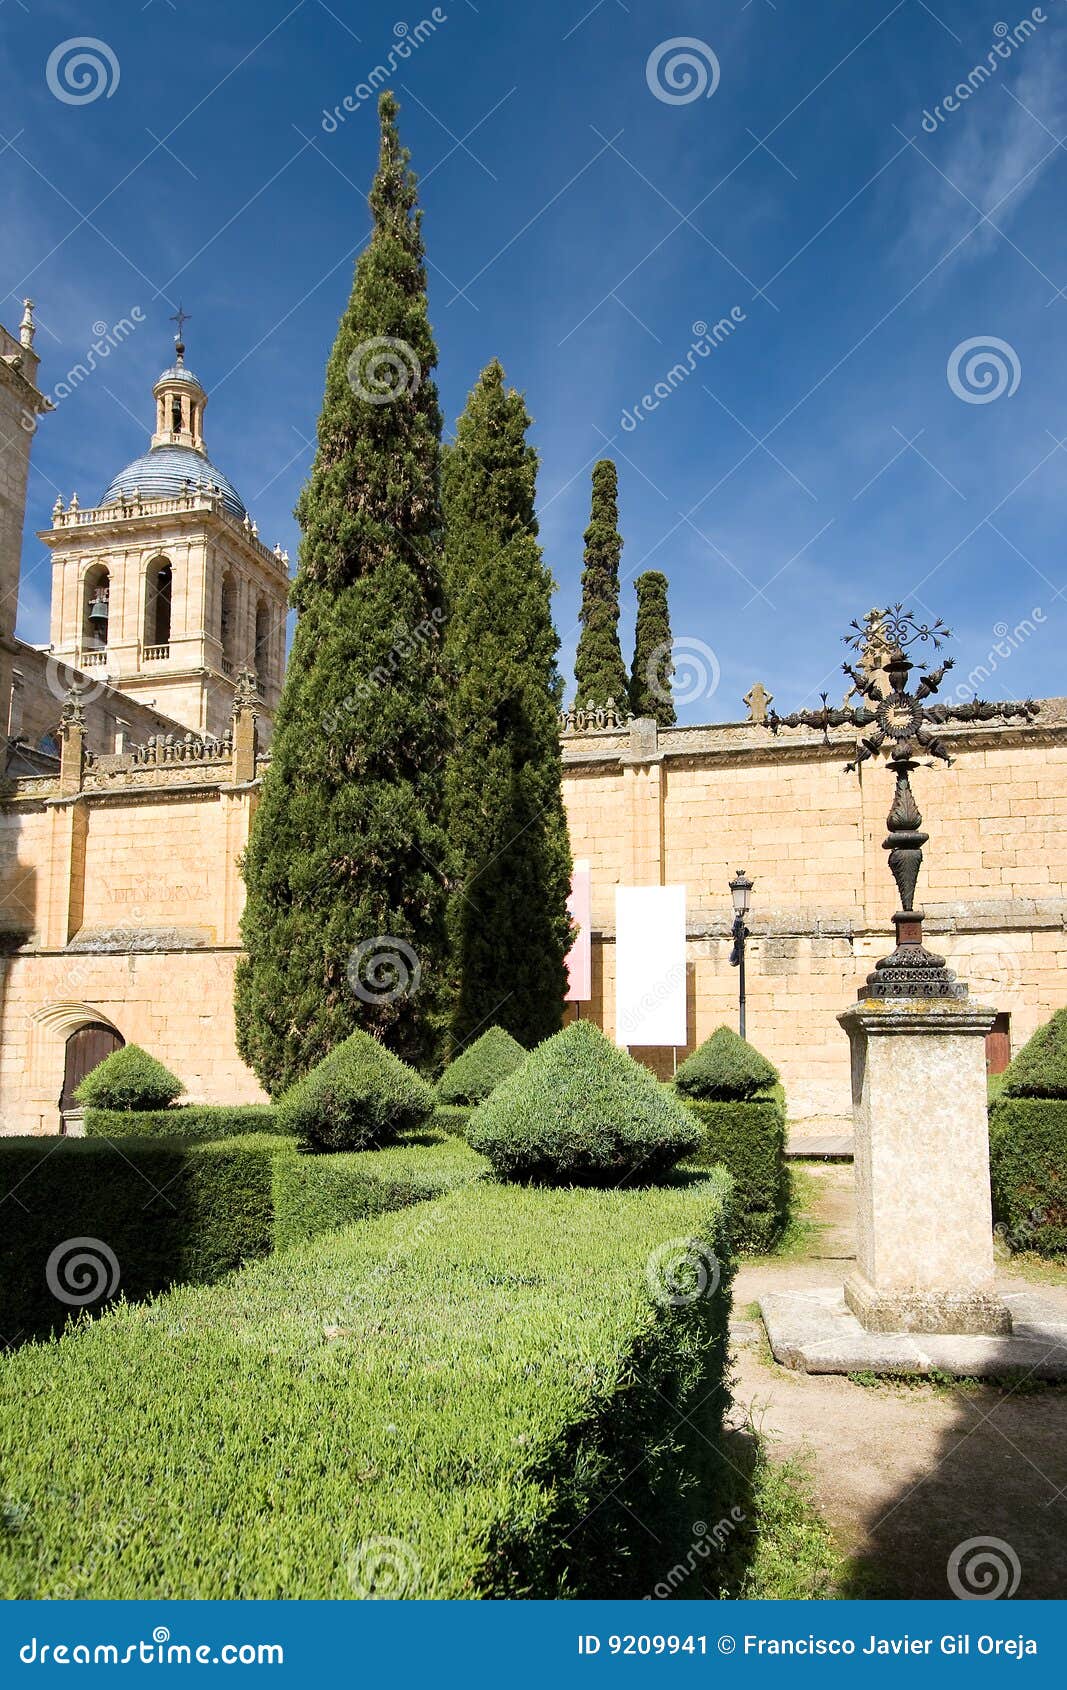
(924,1247)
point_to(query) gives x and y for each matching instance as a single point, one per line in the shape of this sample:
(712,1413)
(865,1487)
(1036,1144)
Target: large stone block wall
(122,901)
(178,1005)
(702,802)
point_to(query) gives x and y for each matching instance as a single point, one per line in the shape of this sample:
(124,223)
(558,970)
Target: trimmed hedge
(452,1118)
(1040,1069)
(189,1121)
(473,1403)
(479,1069)
(359,1096)
(152,1214)
(1028,1171)
(177,1210)
(725,1068)
(314,1194)
(579,1111)
(129,1079)
(748,1140)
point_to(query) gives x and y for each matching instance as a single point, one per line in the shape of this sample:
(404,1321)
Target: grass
(479,1397)
(783,1550)
(802,1231)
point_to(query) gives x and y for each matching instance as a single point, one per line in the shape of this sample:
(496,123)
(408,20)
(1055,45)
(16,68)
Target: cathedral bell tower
(163,589)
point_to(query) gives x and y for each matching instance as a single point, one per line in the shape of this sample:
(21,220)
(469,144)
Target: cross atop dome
(181,317)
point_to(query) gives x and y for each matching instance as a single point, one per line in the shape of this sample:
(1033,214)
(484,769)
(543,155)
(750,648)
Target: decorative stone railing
(92,660)
(155,653)
(196,499)
(602,716)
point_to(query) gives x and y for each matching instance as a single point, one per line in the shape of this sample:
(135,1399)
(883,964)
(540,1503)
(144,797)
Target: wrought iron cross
(899,723)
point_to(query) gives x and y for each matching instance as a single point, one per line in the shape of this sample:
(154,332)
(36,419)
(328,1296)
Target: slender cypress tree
(653,668)
(598,667)
(345,921)
(506,823)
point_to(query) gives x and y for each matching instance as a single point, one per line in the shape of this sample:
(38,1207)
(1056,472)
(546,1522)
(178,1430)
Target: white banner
(650,982)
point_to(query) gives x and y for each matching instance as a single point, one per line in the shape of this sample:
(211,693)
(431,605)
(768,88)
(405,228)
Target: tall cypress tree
(345,922)
(506,823)
(653,668)
(598,667)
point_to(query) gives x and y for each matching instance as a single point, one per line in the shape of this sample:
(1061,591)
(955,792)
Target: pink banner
(580,955)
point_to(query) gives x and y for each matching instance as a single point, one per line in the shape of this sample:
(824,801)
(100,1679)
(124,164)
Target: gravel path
(904,1474)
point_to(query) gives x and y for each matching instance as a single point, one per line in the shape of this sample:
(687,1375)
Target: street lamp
(740,888)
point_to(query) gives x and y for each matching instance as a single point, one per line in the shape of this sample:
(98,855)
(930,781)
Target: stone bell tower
(163,587)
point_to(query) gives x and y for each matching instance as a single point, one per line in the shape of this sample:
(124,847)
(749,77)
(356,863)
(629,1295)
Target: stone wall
(120,893)
(690,805)
(120,902)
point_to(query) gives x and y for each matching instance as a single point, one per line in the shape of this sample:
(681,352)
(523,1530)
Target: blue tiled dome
(162,472)
(178,372)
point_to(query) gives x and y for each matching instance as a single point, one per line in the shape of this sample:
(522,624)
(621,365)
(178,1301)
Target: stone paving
(906,1472)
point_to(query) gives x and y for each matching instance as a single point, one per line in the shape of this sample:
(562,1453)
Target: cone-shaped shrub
(129,1079)
(580,1112)
(359,1096)
(1040,1069)
(479,1069)
(727,1068)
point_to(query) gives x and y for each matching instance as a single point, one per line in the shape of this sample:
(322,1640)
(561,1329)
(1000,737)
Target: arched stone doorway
(47,1085)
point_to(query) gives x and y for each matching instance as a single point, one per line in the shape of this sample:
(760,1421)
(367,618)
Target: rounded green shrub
(581,1112)
(359,1096)
(1028,1172)
(725,1069)
(129,1079)
(479,1069)
(1040,1069)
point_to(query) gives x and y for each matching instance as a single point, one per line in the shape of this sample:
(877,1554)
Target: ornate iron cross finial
(180,317)
(898,723)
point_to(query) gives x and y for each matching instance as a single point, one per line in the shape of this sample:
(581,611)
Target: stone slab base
(816,1332)
(961,1314)
(820,1147)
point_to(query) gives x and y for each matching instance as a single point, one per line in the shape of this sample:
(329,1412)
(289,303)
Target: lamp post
(740,889)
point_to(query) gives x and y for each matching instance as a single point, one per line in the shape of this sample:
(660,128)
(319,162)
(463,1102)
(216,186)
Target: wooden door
(998,1045)
(86,1049)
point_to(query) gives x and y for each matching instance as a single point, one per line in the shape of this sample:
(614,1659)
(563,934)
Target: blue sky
(830,453)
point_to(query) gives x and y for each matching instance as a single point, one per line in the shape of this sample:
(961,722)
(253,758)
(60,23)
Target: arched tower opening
(96,607)
(159,586)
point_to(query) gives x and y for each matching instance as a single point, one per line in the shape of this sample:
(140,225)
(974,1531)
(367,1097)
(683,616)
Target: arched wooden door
(85,1050)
